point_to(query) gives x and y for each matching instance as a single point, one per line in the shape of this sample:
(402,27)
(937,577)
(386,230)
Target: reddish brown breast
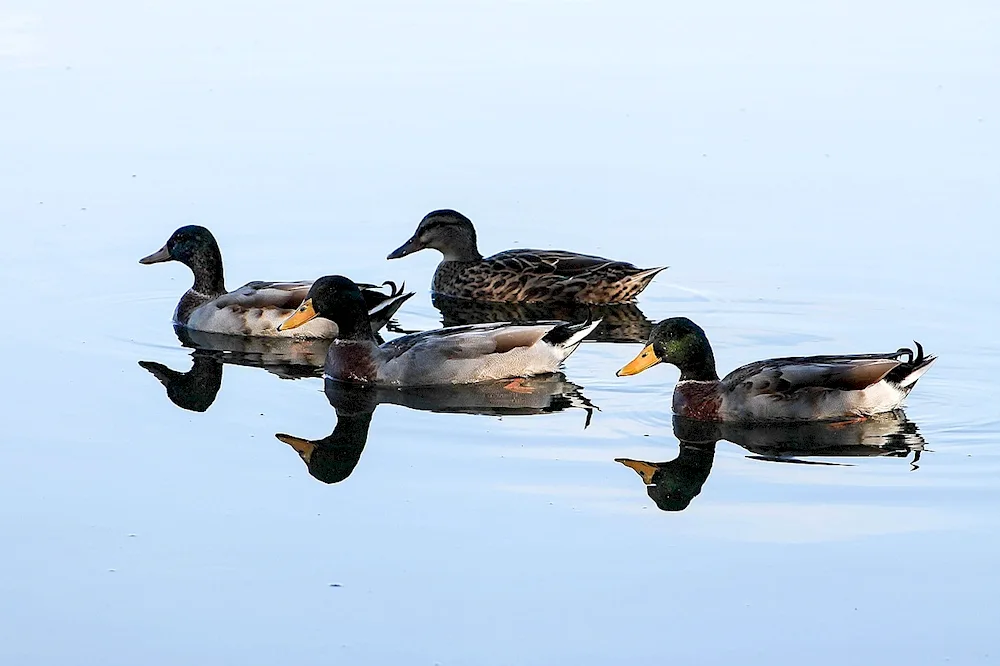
(697,400)
(350,362)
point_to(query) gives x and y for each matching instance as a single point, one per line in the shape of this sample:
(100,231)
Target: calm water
(820,180)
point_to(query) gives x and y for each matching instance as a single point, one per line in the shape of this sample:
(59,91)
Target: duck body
(457,355)
(523,275)
(807,388)
(257,308)
(533,276)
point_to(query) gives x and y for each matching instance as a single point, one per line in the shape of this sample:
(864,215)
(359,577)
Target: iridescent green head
(680,342)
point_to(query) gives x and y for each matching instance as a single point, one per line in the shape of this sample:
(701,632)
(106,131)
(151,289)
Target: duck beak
(644,469)
(163,254)
(646,359)
(303,447)
(409,247)
(302,315)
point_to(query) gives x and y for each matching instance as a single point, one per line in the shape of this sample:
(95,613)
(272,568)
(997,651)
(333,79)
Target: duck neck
(207,268)
(700,367)
(353,323)
(462,246)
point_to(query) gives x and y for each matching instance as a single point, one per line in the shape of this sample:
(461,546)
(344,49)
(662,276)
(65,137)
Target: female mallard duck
(459,355)
(807,388)
(519,275)
(256,308)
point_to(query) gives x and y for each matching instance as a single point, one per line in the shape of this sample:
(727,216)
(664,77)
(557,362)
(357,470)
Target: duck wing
(258,294)
(467,342)
(558,263)
(786,375)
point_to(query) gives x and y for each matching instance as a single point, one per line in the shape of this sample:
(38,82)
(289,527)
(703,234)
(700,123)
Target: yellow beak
(302,315)
(646,359)
(644,469)
(304,447)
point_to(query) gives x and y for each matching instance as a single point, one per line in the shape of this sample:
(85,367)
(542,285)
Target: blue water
(820,179)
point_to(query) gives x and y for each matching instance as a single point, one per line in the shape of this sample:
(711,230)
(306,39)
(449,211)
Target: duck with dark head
(800,388)
(460,355)
(256,308)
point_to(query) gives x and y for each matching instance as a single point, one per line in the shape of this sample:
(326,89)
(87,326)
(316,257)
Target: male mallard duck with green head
(519,275)
(458,355)
(256,308)
(805,388)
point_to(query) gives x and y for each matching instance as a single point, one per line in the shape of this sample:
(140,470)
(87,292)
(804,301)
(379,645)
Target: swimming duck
(256,308)
(458,355)
(807,388)
(519,275)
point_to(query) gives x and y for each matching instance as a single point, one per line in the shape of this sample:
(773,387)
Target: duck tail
(645,276)
(648,274)
(384,310)
(916,366)
(637,281)
(393,289)
(569,336)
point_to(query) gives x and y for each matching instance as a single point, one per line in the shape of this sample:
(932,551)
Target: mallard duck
(458,355)
(519,275)
(809,388)
(256,308)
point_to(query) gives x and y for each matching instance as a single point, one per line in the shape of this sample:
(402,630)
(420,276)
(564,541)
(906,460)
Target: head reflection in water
(672,485)
(333,458)
(194,390)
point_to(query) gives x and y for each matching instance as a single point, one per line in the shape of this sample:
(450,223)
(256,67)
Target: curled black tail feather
(565,332)
(561,333)
(914,363)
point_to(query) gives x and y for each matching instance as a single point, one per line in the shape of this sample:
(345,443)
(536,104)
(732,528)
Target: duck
(523,276)
(456,355)
(800,388)
(256,308)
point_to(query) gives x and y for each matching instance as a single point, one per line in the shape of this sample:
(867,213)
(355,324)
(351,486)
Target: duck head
(196,248)
(338,299)
(680,342)
(447,231)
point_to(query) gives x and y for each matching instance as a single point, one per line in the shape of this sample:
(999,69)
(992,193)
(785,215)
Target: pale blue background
(821,177)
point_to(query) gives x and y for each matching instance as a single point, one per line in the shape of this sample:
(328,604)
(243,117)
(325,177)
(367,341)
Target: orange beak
(646,359)
(302,315)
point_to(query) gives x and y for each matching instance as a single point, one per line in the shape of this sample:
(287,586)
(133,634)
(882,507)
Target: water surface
(820,180)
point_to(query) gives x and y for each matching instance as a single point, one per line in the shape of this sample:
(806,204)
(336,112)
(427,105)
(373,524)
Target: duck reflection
(673,484)
(195,390)
(333,458)
(289,358)
(623,322)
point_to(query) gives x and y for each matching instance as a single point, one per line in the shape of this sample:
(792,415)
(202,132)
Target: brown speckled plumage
(520,276)
(533,276)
